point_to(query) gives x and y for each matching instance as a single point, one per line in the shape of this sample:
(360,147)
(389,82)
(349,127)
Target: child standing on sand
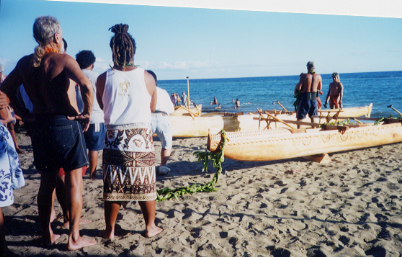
(11,176)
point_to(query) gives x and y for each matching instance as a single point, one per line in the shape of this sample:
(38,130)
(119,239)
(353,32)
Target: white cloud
(181,65)
(99,60)
(4,61)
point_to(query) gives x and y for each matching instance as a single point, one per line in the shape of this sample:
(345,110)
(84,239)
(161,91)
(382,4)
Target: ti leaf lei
(217,159)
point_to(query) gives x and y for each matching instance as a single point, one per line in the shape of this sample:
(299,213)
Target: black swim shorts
(306,107)
(58,143)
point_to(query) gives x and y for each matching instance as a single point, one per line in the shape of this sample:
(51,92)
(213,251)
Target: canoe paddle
(390,106)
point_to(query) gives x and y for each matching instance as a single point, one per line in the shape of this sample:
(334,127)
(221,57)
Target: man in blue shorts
(57,138)
(95,135)
(311,84)
(161,124)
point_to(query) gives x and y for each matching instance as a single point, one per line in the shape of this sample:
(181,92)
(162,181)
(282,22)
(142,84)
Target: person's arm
(151,87)
(327,99)
(5,115)
(170,107)
(297,88)
(74,72)
(4,100)
(100,88)
(340,95)
(10,87)
(319,87)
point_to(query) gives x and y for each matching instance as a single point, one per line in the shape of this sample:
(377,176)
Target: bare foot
(105,234)
(80,243)
(153,231)
(82,222)
(53,239)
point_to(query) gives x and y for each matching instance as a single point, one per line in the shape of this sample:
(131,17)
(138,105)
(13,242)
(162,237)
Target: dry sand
(350,207)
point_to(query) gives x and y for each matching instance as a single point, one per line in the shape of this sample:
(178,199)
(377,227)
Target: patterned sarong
(129,163)
(11,176)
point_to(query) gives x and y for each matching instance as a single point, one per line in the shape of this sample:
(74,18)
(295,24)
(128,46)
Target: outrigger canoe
(278,144)
(189,125)
(182,110)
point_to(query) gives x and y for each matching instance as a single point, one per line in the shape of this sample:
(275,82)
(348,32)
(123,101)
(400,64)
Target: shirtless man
(309,87)
(335,93)
(57,139)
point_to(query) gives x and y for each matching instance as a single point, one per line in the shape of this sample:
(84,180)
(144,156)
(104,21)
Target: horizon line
(185,79)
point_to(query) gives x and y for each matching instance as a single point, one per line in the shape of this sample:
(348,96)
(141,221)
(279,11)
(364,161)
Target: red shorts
(62,172)
(333,103)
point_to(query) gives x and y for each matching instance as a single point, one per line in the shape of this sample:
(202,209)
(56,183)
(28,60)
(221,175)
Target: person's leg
(111,211)
(148,211)
(165,154)
(93,163)
(62,198)
(313,110)
(3,245)
(53,214)
(47,185)
(10,127)
(74,184)
(165,134)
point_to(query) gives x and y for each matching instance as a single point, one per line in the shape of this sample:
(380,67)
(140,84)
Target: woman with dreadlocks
(127,95)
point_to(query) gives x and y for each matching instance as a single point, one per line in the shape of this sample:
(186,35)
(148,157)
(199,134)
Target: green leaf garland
(204,157)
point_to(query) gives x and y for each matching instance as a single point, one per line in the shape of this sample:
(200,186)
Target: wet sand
(349,207)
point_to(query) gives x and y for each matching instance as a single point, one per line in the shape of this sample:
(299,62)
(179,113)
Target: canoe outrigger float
(278,144)
(191,125)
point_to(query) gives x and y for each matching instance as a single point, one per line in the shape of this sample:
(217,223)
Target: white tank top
(126,99)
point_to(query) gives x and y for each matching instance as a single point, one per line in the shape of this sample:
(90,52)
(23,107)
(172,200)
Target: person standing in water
(335,93)
(310,84)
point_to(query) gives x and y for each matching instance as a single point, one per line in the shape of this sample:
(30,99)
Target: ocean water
(360,89)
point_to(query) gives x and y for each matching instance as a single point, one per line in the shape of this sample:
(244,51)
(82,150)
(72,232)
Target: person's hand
(325,105)
(83,118)
(320,92)
(340,105)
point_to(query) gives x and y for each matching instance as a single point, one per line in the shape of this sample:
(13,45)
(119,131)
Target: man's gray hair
(310,65)
(44,29)
(335,75)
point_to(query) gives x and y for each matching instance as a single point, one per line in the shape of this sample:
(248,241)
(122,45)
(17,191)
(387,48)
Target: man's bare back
(311,83)
(48,86)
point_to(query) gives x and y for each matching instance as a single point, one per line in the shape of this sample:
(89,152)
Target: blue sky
(177,42)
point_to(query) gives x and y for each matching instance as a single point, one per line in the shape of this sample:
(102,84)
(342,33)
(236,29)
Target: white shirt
(125,98)
(163,104)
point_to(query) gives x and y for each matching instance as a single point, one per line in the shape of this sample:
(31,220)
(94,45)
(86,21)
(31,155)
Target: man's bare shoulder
(149,79)
(24,61)
(317,76)
(61,58)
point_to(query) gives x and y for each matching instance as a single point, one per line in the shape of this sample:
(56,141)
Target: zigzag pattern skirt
(129,163)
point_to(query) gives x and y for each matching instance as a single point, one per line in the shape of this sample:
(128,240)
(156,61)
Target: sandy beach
(349,207)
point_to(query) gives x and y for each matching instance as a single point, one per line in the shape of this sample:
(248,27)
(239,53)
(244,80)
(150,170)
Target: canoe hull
(282,144)
(187,126)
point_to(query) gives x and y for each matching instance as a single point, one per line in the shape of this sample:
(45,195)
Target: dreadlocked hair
(122,45)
